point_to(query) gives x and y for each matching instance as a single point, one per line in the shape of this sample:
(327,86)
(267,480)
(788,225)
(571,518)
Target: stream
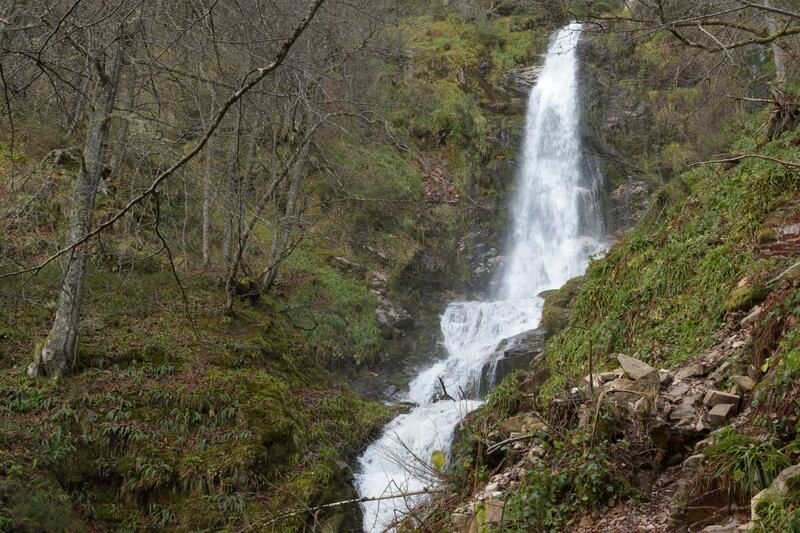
(555,227)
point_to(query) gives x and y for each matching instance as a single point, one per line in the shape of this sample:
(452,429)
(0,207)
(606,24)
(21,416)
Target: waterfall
(555,228)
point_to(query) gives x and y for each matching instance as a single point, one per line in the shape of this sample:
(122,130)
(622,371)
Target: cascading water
(555,230)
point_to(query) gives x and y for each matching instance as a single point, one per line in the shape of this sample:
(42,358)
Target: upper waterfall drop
(555,228)
(555,220)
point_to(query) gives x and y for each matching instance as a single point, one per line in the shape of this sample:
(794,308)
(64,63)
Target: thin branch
(740,157)
(174,269)
(364,499)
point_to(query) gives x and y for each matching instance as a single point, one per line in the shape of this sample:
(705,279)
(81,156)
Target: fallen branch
(790,164)
(494,447)
(445,395)
(364,499)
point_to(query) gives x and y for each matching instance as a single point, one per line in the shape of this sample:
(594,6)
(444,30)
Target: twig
(444,390)
(591,369)
(174,270)
(494,447)
(600,402)
(745,156)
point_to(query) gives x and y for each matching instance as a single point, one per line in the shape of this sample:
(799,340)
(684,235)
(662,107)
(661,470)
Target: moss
(557,306)
(744,298)
(766,235)
(661,293)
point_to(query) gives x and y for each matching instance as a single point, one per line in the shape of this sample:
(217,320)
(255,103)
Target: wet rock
(515,353)
(720,413)
(521,79)
(389,392)
(716,397)
(391,319)
(629,202)
(634,368)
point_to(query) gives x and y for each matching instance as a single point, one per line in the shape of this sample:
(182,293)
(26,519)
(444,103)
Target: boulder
(515,353)
(691,371)
(788,481)
(630,393)
(720,413)
(634,368)
(716,397)
(744,383)
(786,484)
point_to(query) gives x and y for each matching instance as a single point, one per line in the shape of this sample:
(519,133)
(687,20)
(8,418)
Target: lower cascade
(555,228)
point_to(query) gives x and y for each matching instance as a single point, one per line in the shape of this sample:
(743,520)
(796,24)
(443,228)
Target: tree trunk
(229,203)
(59,350)
(237,229)
(207,208)
(777,52)
(281,239)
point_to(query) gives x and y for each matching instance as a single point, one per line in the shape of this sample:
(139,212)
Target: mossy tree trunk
(59,349)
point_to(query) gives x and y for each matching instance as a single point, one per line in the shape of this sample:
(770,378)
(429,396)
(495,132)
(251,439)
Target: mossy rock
(766,236)
(558,304)
(744,298)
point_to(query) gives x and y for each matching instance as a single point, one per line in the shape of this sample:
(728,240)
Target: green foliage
(438,459)
(377,185)
(334,310)
(549,497)
(506,398)
(671,275)
(778,514)
(741,465)
(743,298)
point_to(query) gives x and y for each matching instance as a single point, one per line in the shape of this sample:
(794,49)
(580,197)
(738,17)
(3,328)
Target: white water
(554,231)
